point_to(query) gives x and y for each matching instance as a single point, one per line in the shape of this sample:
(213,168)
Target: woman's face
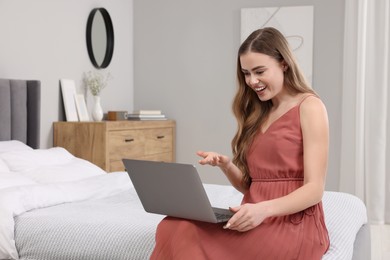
(263,74)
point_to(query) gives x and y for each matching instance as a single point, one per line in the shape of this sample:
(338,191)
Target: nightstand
(106,143)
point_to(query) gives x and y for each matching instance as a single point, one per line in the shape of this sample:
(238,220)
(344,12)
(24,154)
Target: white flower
(95,81)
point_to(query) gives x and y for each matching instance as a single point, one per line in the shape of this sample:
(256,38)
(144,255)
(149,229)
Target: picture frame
(68,88)
(296,23)
(81,106)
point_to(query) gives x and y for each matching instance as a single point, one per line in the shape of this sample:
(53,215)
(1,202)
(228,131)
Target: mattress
(110,228)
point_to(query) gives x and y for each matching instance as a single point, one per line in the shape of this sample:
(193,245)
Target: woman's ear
(284,66)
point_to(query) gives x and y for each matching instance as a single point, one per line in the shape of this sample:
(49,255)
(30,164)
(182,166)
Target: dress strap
(303,99)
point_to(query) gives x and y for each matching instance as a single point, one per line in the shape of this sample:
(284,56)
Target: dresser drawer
(139,143)
(117,165)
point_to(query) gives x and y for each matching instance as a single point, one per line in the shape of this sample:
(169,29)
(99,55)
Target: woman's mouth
(259,89)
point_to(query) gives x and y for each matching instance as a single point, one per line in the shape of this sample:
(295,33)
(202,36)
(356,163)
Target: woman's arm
(231,171)
(315,132)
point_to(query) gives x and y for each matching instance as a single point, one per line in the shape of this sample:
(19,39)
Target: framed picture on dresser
(68,88)
(82,110)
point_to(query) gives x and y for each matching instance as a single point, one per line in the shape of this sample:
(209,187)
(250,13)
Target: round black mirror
(100,38)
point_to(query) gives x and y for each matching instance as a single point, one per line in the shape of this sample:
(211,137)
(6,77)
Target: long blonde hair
(249,111)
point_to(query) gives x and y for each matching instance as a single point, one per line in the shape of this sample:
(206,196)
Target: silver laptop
(173,189)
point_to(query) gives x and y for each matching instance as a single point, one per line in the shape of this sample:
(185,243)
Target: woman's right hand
(214,159)
(231,171)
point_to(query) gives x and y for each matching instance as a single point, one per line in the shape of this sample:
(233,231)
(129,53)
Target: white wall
(45,40)
(185,61)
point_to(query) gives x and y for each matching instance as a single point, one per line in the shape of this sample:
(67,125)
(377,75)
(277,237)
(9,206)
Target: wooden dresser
(106,143)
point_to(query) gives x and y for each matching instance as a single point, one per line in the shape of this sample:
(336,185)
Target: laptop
(173,189)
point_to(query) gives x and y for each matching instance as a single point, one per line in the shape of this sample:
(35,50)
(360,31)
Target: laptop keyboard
(222,217)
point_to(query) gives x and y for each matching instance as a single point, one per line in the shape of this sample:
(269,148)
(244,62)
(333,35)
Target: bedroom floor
(380,235)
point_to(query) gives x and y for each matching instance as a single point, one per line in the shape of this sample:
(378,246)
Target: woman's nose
(253,80)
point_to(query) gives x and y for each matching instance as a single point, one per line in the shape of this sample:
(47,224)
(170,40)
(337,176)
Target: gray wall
(45,40)
(184,64)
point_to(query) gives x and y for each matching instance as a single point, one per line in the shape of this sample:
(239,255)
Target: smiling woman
(100,38)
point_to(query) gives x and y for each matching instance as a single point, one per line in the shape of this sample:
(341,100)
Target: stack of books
(146,115)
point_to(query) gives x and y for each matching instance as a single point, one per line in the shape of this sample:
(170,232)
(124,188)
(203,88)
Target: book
(147,112)
(146,117)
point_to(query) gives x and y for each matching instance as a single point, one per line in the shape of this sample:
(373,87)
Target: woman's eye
(259,72)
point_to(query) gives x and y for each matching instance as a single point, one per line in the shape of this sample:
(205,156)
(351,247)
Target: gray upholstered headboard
(20,102)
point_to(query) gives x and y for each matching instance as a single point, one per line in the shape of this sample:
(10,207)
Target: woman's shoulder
(309,99)
(312,107)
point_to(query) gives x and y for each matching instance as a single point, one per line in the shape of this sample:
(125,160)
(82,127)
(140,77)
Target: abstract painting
(295,23)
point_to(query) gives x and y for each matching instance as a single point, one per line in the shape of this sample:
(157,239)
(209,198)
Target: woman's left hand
(246,217)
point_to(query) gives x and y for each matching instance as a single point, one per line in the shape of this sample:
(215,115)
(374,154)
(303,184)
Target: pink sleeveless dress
(275,161)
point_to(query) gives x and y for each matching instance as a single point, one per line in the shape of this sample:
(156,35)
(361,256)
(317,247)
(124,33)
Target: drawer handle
(129,140)
(160,137)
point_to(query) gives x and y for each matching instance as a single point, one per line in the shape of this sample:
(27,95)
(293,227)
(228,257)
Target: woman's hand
(230,170)
(247,217)
(214,159)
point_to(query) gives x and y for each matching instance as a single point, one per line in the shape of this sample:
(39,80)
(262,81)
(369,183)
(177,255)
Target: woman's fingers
(201,153)
(244,218)
(210,158)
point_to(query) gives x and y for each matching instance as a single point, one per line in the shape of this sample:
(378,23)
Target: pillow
(13,145)
(75,169)
(23,160)
(12,179)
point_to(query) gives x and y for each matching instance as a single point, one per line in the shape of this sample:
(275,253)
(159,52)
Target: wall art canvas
(68,88)
(81,106)
(296,24)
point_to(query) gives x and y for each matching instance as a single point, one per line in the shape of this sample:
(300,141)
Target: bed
(57,206)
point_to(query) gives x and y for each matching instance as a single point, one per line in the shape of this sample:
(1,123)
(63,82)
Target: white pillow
(23,160)
(13,145)
(75,169)
(12,179)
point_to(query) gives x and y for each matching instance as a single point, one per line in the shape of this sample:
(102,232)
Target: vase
(97,112)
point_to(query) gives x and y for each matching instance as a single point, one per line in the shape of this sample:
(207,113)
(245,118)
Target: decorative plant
(95,81)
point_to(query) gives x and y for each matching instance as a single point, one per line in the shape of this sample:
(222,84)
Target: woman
(280,154)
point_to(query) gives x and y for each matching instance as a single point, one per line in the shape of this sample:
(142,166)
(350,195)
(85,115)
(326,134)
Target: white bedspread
(17,200)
